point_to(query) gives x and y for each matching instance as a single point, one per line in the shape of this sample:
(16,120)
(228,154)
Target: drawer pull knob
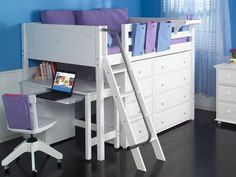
(185,62)
(228,93)
(184,113)
(229,111)
(140,131)
(139,72)
(162,85)
(162,104)
(185,78)
(162,122)
(162,67)
(184,96)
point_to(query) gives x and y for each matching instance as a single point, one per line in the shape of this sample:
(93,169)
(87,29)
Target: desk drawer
(227,93)
(227,111)
(227,77)
(133,110)
(173,62)
(142,69)
(172,98)
(171,81)
(172,117)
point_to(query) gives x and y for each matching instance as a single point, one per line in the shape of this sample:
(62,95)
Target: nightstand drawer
(227,111)
(227,77)
(171,98)
(227,93)
(171,81)
(172,63)
(142,69)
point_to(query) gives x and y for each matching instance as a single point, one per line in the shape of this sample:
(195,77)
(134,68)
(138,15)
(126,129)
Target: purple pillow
(112,18)
(58,17)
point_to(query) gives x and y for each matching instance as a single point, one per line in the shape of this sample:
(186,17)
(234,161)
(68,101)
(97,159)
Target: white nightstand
(226,93)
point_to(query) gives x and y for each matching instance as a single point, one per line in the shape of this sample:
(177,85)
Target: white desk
(87,91)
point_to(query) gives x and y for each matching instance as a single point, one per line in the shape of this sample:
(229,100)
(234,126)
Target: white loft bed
(87,46)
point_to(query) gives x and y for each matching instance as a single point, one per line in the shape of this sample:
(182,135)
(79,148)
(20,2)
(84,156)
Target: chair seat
(43,124)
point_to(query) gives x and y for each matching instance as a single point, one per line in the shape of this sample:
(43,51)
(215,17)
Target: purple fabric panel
(180,40)
(93,17)
(17,111)
(113,50)
(150,40)
(112,18)
(58,17)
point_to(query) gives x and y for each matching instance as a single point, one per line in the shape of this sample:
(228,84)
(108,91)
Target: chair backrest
(20,111)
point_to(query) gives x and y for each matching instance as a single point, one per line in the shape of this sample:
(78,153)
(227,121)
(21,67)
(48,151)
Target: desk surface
(82,87)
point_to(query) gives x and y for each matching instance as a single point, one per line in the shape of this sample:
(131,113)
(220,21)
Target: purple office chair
(21,116)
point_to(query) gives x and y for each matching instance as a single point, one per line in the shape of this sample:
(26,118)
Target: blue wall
(13,13)
(152,8)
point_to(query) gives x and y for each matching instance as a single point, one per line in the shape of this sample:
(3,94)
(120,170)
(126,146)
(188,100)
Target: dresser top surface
(225,66)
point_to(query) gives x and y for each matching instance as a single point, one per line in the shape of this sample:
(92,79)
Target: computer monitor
(63,82)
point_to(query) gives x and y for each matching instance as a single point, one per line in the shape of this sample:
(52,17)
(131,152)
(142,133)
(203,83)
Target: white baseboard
(10,83)
(205,103)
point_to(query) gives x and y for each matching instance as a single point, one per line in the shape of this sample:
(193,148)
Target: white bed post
(100,52)
(192,29)
(25,62)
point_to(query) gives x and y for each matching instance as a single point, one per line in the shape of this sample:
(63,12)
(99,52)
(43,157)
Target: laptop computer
(62,86)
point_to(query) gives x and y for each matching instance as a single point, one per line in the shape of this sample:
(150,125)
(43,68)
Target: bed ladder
(139,130)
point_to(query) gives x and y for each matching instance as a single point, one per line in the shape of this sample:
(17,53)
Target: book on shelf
(47,71)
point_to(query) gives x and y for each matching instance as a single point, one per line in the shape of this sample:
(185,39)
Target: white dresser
(226,93)
(167,84)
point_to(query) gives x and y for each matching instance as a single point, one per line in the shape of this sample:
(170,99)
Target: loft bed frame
(87,46)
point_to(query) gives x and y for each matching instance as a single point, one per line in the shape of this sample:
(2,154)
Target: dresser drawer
(142,69)
(227,93)
(145,86)
(226,111)
(227,77)
(171,81)
(171,98)
(172,117)
(173,62)
(133,111)
(139,130)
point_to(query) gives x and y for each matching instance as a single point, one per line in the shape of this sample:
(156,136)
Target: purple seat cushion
(113,18)
(58,17)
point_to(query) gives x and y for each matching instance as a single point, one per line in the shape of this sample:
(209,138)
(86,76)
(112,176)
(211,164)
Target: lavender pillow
(112,18)
(58,17)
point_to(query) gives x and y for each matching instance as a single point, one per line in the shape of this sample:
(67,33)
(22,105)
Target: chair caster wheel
(59,164)
(34,173)
(6,170)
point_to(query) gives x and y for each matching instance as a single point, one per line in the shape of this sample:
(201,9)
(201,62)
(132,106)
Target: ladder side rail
(135,87)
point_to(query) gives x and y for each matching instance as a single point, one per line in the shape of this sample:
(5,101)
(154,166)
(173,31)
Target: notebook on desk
(62,86)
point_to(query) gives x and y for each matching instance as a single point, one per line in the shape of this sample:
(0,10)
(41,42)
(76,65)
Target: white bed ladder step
(141,130)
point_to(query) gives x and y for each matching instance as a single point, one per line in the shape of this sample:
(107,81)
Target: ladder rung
(126,94)
(135,118)
(118,69)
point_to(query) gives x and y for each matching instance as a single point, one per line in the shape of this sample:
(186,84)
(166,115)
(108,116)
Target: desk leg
(88,147)
(116,127)
(100,113)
